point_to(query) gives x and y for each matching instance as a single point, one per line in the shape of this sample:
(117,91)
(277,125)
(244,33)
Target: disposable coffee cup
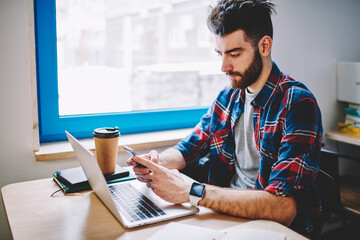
(106,148)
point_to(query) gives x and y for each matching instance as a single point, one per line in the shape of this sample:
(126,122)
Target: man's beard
(250,75)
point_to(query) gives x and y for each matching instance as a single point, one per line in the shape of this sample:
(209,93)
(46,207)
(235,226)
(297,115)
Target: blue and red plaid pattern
(288,133)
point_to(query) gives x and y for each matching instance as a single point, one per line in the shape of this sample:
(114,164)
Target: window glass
(133,55)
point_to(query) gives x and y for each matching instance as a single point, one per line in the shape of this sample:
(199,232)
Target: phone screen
(132,153)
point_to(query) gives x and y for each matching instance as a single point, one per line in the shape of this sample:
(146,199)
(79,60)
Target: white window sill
(63,149)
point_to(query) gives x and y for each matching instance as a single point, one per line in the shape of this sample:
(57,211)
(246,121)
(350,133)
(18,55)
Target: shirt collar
(268,90)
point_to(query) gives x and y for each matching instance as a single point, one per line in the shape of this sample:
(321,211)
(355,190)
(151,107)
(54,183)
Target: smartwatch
(196,193)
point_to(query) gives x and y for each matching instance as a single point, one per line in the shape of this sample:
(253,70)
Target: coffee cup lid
(106,132)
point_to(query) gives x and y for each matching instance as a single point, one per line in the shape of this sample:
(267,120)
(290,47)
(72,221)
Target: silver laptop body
(102,190)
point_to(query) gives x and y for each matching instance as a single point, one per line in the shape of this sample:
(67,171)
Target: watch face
(197,189)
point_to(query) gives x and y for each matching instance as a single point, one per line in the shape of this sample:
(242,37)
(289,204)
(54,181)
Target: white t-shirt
(246,154)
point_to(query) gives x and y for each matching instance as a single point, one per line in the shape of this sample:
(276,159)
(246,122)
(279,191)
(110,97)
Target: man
(262,134)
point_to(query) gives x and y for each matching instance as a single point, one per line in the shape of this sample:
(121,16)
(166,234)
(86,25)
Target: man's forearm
(172,187)
(172,158)
(253,204)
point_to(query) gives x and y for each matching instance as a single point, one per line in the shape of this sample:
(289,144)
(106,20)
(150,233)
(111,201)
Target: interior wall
(309,38)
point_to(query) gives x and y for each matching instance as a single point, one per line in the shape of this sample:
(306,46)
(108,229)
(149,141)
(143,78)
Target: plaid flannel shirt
(288,132)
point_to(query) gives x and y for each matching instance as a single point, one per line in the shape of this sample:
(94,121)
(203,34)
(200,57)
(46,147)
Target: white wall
(309,37)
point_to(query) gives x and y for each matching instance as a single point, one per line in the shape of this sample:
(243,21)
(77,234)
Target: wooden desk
(33,214)
(343,137)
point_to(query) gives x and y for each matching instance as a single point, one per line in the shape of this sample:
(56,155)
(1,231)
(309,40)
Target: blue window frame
(52,125)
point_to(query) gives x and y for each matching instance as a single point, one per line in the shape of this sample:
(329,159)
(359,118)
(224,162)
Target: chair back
(328,182)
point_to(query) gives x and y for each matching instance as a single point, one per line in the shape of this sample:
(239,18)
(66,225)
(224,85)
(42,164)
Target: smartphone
(132,153)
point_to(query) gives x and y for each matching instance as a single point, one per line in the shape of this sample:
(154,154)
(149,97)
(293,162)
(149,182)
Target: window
(141,65)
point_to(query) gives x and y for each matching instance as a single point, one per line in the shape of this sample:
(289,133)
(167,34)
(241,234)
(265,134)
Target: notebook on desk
(132,203)
(75,177)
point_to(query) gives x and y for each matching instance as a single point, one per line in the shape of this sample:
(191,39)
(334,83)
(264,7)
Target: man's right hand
(141,172)
(169,184)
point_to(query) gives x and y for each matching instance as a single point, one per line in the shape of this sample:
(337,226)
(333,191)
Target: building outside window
(130,56)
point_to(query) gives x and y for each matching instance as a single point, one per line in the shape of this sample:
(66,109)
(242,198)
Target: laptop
(131,202)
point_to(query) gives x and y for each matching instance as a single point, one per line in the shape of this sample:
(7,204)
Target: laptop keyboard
(134,203)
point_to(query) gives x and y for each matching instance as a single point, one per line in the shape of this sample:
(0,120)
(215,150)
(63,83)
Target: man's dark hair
(253,17)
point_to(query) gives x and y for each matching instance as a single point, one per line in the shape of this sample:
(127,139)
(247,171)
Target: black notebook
(75,177)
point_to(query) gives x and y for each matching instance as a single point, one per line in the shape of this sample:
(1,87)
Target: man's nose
(226,65)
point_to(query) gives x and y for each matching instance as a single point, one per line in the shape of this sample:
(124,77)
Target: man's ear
(265,45)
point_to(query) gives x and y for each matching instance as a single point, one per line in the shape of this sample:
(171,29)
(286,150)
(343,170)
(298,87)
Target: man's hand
(170,185)
(142,172)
